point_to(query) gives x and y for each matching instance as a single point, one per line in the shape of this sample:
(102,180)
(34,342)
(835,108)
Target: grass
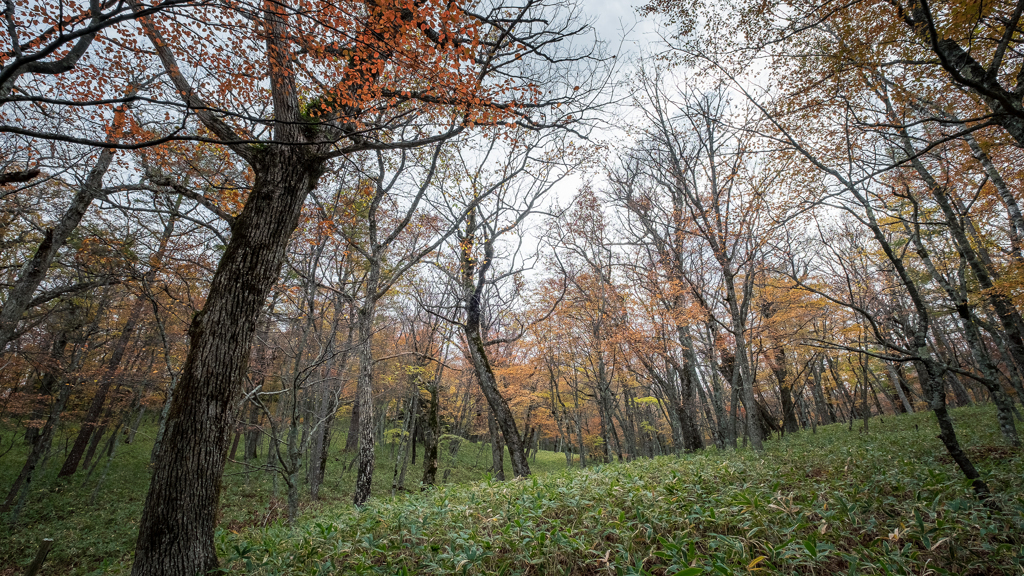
(834,502)
(100,536)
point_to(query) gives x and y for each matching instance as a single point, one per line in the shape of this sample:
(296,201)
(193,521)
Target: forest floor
(839,501)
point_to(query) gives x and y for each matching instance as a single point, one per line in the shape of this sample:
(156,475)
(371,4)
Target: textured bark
(352,439)
(499,407)
(689,381)
(742,365)
(965,313)
(825,415)
(1016,228)
(1007,109)
(474,280)
(176,529)
(781,372)
(606,408)
(497,449)
(693,440)
(364,388)
(431,437)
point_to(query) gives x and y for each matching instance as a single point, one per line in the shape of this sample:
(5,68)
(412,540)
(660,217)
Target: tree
(367,65)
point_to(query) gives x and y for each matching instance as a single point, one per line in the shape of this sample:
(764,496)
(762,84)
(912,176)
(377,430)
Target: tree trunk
(431,437)
(499,407)
(497,449)
(364,387)
(780,369)
(176,532)
(825,415)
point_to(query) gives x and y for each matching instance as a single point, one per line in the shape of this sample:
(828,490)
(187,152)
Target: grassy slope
(90,537)
(827,503)
(835,502)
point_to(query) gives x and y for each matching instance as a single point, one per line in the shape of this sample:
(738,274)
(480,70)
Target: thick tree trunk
(689,381)
(352,439)
(177,526)
(497,449)
(431,437)
(499,407)
(825,416)
(693,440)
(780,369)
(364,386)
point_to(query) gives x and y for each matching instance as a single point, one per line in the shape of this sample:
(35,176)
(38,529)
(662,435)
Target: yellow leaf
(755,562)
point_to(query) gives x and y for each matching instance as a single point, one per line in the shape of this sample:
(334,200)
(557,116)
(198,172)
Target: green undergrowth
(838,501)
(95,536)
(835,502)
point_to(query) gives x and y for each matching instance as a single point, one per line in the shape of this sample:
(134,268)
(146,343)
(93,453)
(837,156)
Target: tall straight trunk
(497,449)
(689,381)
(431,435)
(176,532)
(825,415)
(408,429)
(693,440)
(606,408)
(352,439)
(725,432)
(746,380)
(364,385)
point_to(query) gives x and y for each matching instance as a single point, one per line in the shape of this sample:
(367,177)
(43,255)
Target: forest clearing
(733,286)
(835,501)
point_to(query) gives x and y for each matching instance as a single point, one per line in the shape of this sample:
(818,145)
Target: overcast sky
(612,18)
